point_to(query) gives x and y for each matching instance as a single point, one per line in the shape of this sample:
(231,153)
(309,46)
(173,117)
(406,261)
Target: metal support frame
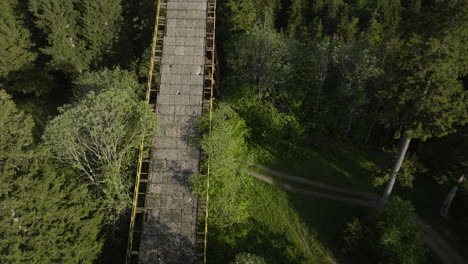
(208,89)
(138,213)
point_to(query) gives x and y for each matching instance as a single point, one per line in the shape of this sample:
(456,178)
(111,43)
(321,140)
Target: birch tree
(320,66)
(426,97)
(98,136)
(357,64)
(259,58)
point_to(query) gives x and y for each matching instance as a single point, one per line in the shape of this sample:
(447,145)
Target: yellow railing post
(143,137)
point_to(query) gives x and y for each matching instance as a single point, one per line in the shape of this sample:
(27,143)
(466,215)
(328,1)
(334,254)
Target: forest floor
(444,250)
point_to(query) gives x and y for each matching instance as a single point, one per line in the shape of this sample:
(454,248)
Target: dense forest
(369,95)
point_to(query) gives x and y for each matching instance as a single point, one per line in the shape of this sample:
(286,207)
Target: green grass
(275,232)
(324,218)
(333,164)
(342,165)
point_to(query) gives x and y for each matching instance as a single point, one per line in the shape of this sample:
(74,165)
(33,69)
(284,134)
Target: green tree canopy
(15,45)
(357,65)
(259,58)
(229,154)
(98,135)
(79,34)
(388,235)
(246,258)
(15,141)
(426,95)
(246,15)
(45,217)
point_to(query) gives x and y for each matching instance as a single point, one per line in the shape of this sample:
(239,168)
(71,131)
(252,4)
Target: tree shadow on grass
(254,238)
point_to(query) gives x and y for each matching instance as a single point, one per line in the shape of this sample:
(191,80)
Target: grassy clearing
(332,163)
(324,218)
(274,232)
(338,164)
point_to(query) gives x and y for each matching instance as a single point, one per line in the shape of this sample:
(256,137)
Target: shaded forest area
(319,88)
(364,94)
(72,77)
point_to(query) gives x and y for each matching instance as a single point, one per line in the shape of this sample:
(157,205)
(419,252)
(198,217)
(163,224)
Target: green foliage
(246,258)
(16,139)
(16,44)
(265,120)
(48,218)
(386,16)
(78,33)
(243,211)
(227,147)
(44,216)
(241,15)
(296,23)
(259,58)
(39,113)
(389,235)
(246,15)
(30,79)
(410,167)
(426,96)
(357,64)
(98,135)
(100,25)
(105,79)
(347,28)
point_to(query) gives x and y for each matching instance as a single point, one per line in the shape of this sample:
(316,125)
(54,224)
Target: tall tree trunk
(404,143)
(448,200)
(369,131)
(350,123)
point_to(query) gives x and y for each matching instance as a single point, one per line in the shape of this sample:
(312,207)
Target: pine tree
(79,34)
(48,218)
(100,23)
(15,43)
(15,140)
(45,217)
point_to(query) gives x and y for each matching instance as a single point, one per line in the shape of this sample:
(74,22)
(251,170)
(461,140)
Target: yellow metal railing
(144,149)
(210,77)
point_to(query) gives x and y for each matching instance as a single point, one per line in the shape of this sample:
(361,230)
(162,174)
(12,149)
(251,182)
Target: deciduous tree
(228,152)
(259,58)
(357,64)
(98,135)
(388,235)
(426,96)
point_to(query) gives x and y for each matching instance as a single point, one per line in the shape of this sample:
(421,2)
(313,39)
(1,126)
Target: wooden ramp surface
(169,230)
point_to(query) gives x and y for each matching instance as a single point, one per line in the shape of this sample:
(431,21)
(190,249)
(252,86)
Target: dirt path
(446,253)
(285,186)
(325,186)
